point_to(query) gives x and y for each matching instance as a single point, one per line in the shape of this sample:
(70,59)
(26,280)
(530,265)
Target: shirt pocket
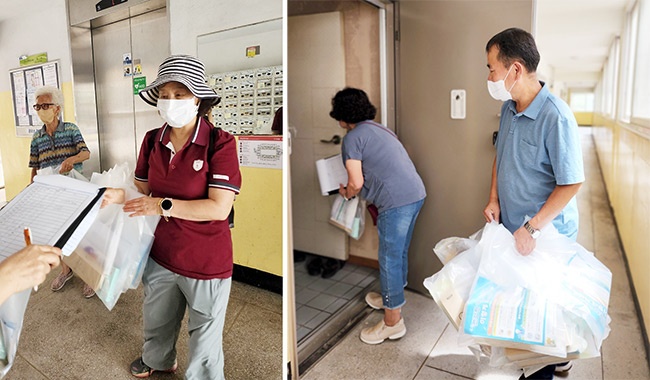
(528,153)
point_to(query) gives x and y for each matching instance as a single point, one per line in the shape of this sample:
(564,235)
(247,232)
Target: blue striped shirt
(50,151)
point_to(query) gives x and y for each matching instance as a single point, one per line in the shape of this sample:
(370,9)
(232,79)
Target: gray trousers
(166,294)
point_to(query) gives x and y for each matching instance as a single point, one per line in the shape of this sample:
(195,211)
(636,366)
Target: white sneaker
(379,332)
(374,300)
(563,368)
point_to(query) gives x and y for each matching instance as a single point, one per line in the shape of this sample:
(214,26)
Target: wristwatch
(534,233)
(166,206)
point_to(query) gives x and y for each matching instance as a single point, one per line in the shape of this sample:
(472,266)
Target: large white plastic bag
(559,274)
(448,248)
(12,312)
(450,286)
(117,244)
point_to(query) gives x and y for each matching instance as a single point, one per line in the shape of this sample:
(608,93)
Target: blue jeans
(395,228)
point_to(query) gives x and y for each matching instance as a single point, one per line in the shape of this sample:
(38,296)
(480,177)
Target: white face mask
(177,112)
(498,89)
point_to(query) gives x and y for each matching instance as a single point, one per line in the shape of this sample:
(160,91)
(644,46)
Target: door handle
(336,140)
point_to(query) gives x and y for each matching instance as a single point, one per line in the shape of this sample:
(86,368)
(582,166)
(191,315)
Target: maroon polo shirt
(200,250)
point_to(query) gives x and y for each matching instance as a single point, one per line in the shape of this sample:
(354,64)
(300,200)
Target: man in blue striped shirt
(57,144)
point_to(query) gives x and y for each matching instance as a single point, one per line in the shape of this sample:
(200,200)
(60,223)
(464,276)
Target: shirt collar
(59,128)
(535,107)
(200,136)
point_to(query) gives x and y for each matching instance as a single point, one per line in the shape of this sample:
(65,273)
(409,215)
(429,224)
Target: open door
(316,64)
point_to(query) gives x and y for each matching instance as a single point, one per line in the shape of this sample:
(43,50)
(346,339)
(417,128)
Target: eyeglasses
(44,106)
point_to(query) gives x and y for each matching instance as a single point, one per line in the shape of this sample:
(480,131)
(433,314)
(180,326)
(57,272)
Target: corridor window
(610,87)
(641,90)
(627,64)
(582,101)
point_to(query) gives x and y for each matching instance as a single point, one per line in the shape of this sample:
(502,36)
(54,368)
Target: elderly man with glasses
(57,144)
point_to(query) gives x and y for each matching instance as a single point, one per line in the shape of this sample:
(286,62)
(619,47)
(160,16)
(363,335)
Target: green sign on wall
(34,59)
(139,83)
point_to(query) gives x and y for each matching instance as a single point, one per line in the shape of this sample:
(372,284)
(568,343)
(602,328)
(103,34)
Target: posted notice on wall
(24,83)
(260,151)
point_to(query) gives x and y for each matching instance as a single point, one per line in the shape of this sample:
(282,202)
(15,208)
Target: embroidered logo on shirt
(198,164)
(221,176)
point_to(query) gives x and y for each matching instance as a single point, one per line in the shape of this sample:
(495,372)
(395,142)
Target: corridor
(429,349)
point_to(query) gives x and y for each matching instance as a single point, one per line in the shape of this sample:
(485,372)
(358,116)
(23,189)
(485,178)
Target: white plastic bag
(551,302)
(55,170)
(349,215)
(116,248)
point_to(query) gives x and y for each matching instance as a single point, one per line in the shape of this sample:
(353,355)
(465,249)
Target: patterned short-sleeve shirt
(50,151)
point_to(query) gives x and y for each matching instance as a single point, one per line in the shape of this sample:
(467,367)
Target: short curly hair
(55,94)
(352,105)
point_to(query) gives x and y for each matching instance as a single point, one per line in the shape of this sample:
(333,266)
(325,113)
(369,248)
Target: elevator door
(123,118)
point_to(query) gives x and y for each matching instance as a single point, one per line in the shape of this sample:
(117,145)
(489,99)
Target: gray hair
(55,94)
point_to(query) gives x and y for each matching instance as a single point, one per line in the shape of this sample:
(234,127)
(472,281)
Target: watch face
(166,205)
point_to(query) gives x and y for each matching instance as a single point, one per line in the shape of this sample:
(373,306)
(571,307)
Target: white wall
(28,27)
(185,26)
(36,29)
(226,50)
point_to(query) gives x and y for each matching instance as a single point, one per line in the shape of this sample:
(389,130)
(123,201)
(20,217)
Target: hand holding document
(59,211)
(331,174)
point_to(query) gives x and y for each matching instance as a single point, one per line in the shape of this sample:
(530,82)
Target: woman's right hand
(142,206)
(492,211)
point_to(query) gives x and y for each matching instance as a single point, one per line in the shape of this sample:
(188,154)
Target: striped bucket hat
(185,69)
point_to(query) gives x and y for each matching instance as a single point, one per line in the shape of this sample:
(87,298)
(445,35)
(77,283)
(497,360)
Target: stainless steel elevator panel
(123,118)
(114,94)
(150,44)
(84,93)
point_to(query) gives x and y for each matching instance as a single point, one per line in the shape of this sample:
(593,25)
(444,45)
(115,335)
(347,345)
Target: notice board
(24,82)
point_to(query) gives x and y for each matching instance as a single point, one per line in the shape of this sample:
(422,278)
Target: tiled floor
(430,350)
(68,337)
(317,298)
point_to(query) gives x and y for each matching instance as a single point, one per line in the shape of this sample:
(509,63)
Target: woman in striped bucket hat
(189,174)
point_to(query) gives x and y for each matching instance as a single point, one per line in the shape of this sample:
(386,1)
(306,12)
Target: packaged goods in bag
(349,215)
(111,256)
(525,311)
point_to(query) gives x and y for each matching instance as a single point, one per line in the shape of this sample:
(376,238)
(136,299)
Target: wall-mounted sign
(105,4)
(139,83)
(34,59)
(252,51)
(260,151)
(24,83)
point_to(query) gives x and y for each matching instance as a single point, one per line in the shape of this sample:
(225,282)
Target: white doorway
(328,51)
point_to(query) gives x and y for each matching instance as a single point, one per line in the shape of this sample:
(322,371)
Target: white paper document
(331,173)
(51,207)
(58,210)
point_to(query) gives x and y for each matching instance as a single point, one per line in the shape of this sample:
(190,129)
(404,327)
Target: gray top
(389,177)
